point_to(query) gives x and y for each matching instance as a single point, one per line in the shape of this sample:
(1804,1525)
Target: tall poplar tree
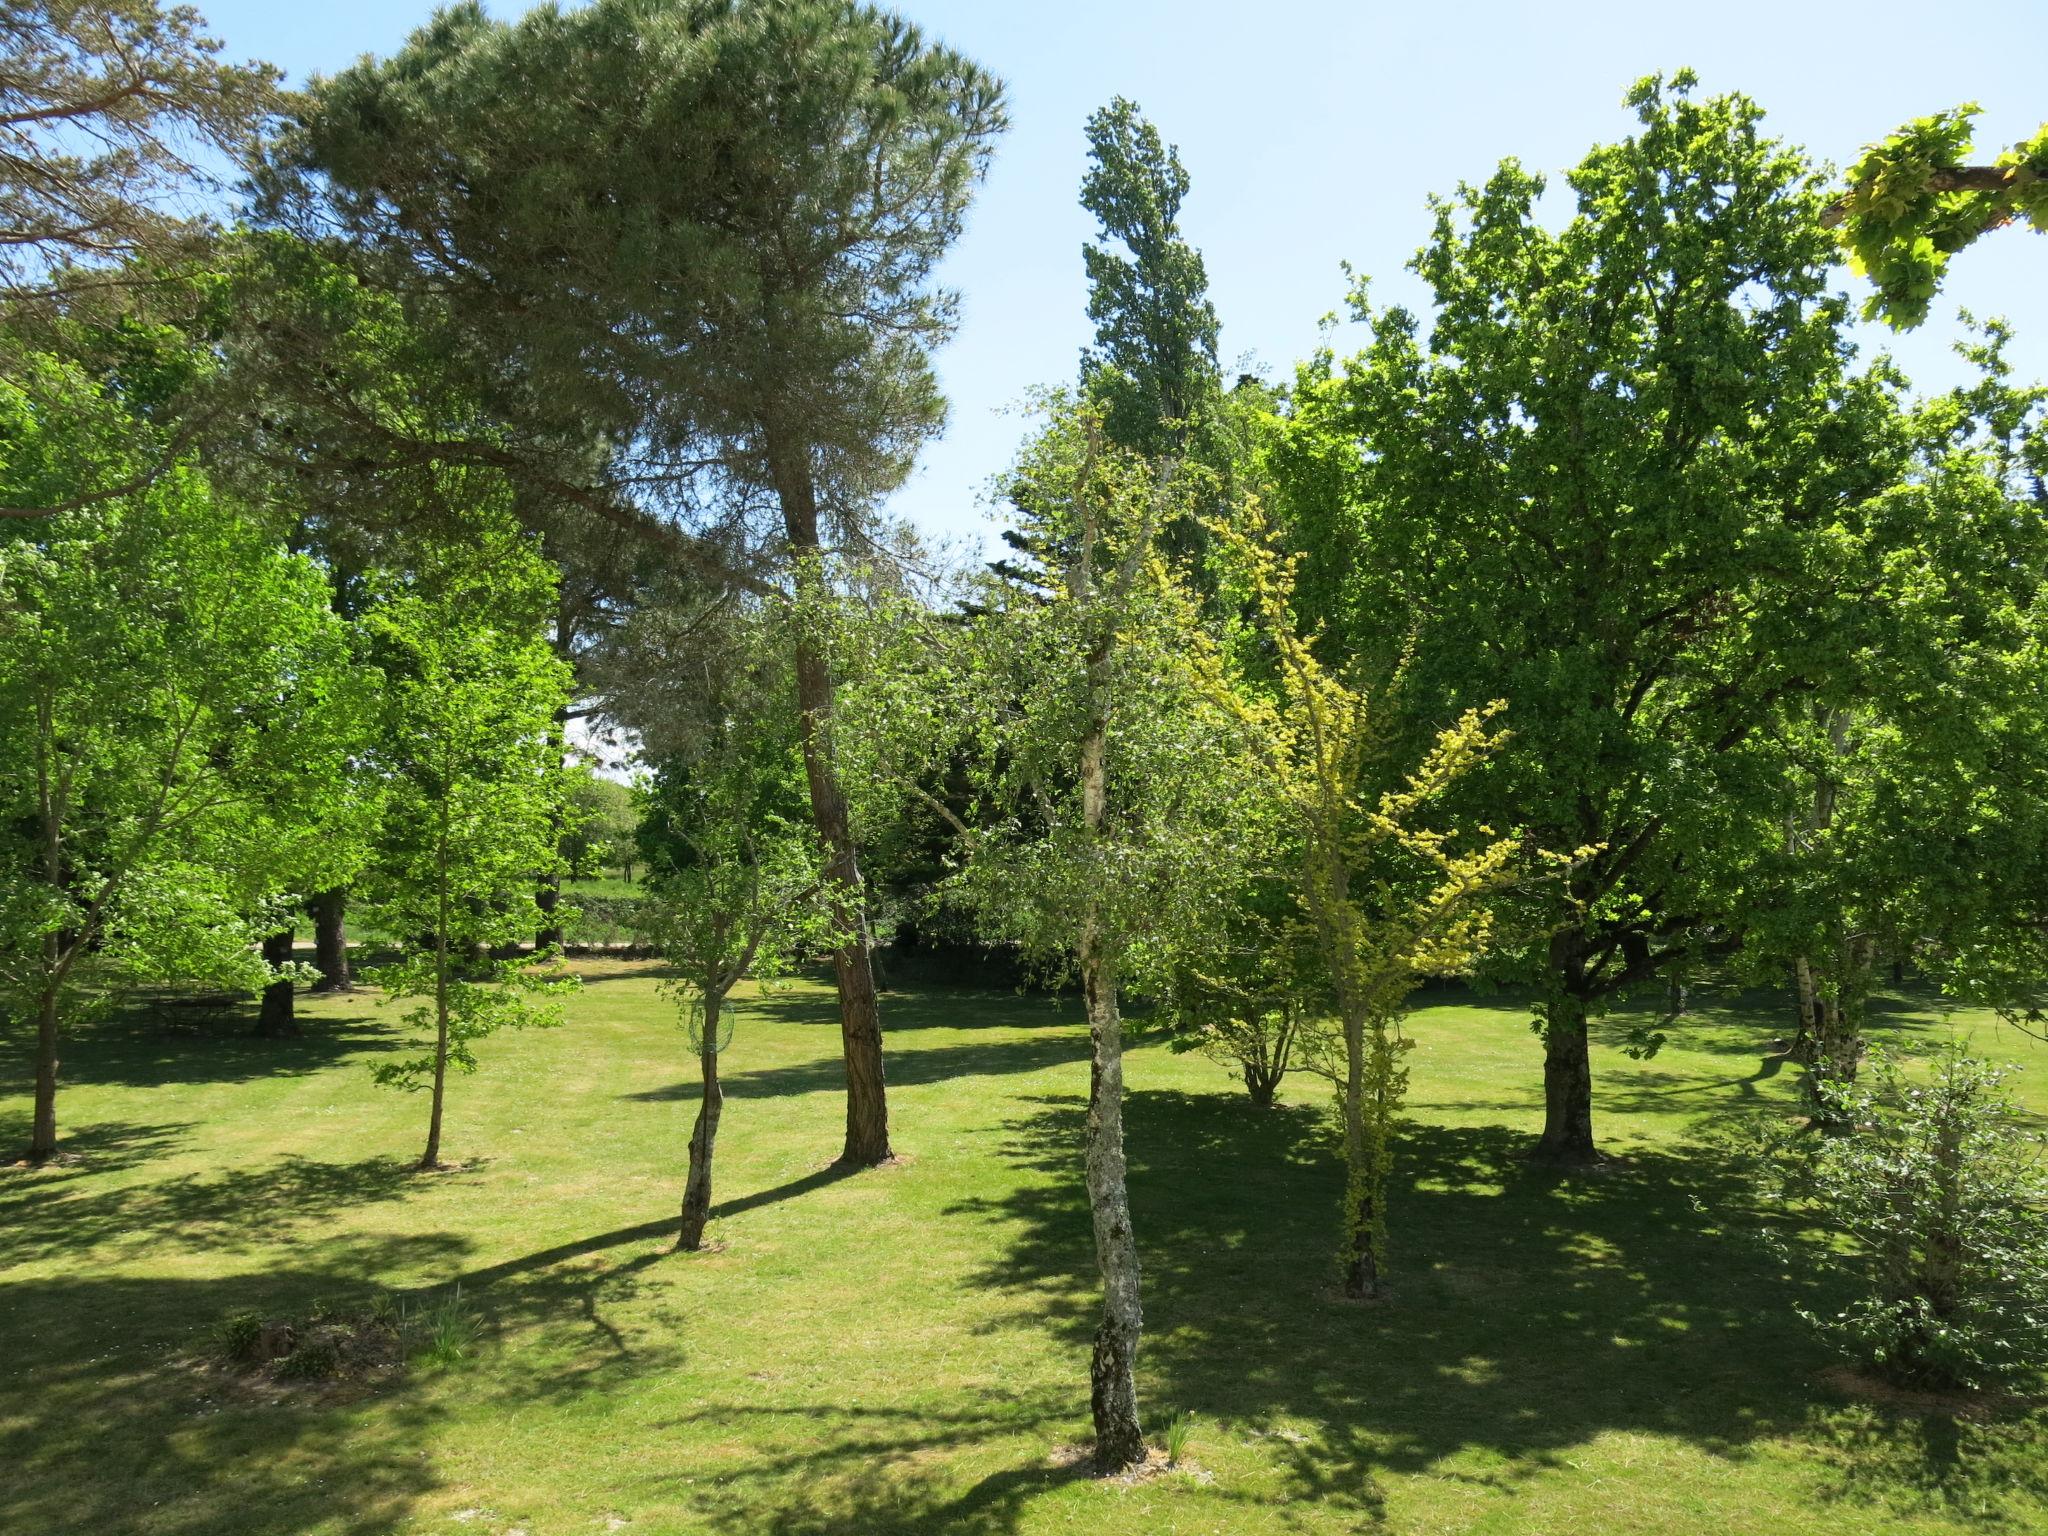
(1110,807)
(1153,363)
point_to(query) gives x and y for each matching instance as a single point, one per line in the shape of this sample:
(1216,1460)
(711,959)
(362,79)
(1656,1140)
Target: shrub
(1936,1189)
(317,1357)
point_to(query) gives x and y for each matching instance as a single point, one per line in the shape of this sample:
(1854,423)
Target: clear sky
(1313,130)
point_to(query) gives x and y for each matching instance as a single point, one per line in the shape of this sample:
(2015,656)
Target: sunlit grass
(905,1349)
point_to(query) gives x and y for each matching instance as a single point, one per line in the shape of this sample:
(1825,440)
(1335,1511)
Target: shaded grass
(901,1349)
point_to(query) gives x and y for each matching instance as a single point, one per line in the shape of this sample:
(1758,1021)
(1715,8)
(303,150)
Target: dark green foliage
(1153,365)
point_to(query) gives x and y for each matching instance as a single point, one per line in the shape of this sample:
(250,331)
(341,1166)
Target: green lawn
(903,1350)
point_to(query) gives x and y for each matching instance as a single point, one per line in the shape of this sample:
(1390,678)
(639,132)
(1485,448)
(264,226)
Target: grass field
(904,1349)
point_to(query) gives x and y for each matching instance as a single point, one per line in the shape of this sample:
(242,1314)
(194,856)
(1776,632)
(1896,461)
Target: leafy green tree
(1609,487)
(177,703)
(735,876)
(1914,200)
(712,227)
(472,790)
(1153,364)
(1389,900)
(1118,810)
(1255,1000)
(1914,762)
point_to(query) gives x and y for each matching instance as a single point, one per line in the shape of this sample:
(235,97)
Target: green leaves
(177,704)
(1610,479)
(1914,200)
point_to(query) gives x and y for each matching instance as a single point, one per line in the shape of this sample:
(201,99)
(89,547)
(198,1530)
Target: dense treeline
(1609,625)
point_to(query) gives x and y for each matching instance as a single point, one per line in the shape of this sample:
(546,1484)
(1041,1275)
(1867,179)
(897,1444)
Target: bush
(1936,1189)
(317,1357)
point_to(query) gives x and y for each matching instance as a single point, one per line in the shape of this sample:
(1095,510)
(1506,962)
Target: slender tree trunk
(1113,1389)
(548,896)
(274,1015)
(1361,1266)
(1567,1080)
(50,797)
(42,1138)
(704,1135)
(330,941)
(1112,1379)
(860,1021)
(432,1157)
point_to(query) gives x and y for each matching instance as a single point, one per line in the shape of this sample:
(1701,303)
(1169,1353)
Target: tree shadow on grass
(89,1151)
(139,1049)
(884,1472)
(906,1068)
(1531,1312)
(221,1211)
(100,1432)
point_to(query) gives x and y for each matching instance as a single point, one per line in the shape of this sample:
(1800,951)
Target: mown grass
(903,1350)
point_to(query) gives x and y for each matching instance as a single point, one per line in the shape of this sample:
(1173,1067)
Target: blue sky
(1314,130)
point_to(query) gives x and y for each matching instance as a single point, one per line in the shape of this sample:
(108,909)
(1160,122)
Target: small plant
(317,1358)
(1936,1188)
(387,1310)
(1179,1431)
(235,1336)
(448,1329)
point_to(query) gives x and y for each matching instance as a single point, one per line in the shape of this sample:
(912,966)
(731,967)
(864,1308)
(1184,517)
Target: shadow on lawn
(1531,1313)
(95,1430)
(1055,1041)
(45,1216)
(139,1049)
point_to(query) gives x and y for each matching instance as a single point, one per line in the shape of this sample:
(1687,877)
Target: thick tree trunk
(1113,1390)
(704,1135)
(1567,1086)
(330,941)
(860,1020)
(42,1136)
(274,1015)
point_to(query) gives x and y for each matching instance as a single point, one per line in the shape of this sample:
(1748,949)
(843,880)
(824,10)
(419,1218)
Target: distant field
(904,1350)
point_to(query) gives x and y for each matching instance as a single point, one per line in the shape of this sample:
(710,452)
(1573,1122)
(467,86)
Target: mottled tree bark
(274,1015)
(704,1135)
(330,941)
(1112,1379)
(860,1021)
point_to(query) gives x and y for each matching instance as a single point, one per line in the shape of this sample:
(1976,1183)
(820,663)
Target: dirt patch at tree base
(1868,1387)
